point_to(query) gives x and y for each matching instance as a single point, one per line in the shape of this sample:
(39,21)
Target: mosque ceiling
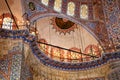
(57,28)
(31,41)
(63,25)
(68,36)
(90,15)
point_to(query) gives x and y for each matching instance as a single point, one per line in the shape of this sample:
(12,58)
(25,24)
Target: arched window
(71,8)
(57,5)
(84,11)
(45,2)
(7,23)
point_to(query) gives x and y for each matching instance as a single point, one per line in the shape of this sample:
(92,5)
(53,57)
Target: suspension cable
(11,14)
(67,49)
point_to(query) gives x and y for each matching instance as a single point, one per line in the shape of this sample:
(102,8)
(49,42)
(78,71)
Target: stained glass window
(57,5)
(7,23)
(45,2)
(84,11)
(71,9)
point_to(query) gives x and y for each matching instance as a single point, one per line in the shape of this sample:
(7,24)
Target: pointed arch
(71,9)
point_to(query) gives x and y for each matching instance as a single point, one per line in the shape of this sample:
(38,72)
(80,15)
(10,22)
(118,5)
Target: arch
(45,2)
(39,16)
(93,49)
(57,5)
(84,11)
(104,59)
(71,9)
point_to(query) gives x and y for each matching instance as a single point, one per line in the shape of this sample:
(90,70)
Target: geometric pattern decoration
(115,75)
(16,61)
(72,11)
(25,72)
(31,40)
(100,31)
(40,8)
(112,16)
(63,25)
(1,77)
(9,62)
(98,78)
(4,65)
(16,67)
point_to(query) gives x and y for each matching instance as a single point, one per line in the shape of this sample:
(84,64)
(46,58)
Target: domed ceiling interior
(60,37)
(61,42)
(70,41)
(63,33)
